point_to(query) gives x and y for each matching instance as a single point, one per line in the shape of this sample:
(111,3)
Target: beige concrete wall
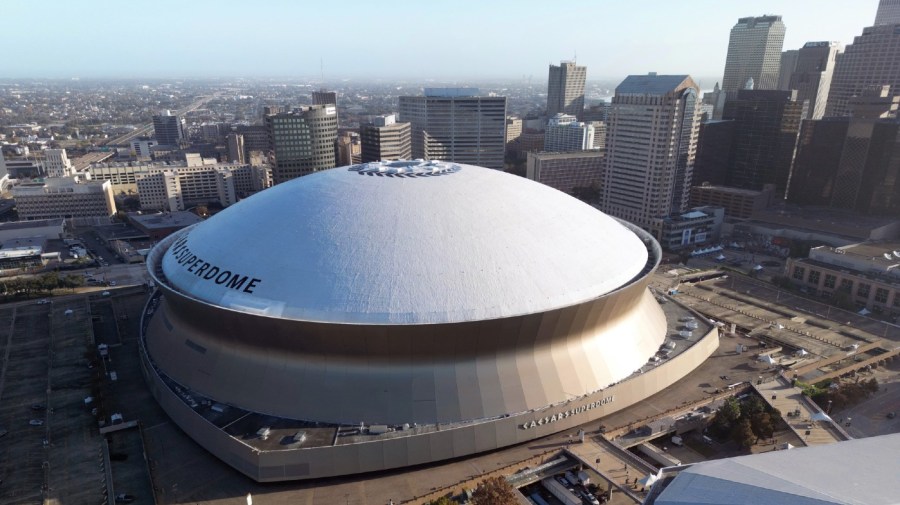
(406,451)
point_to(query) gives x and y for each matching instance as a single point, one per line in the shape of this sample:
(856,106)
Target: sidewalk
(782,396)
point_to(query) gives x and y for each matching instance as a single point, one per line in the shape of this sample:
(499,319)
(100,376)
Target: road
(869,417)
(147,128)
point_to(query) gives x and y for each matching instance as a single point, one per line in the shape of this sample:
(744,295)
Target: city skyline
(204,40)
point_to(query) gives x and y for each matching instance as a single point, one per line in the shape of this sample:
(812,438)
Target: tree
(494,491)
(753,405)
(729,412)
(49,282)
(743,434)
(870,386)
(762,426)
(73,281)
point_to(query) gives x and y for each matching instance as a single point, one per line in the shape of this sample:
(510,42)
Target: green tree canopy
(494,491)
(743,434)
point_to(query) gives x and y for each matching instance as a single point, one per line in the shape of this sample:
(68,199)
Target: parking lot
(52,450)
(23,383)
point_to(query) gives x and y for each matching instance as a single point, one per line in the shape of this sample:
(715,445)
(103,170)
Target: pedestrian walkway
(801,414)
(618,466)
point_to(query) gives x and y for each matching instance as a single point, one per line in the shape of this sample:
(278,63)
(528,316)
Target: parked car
(36,422)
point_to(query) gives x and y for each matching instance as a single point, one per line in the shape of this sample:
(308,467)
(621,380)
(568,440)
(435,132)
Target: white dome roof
(420,243)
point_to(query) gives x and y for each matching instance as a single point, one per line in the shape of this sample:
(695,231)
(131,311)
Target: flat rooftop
(833,221)
(37,223)
(875,250)
(165,220)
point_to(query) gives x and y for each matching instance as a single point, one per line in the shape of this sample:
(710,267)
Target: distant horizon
(409,40)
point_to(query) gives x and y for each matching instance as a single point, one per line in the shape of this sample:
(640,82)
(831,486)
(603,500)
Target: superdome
(404,243)
(396,313)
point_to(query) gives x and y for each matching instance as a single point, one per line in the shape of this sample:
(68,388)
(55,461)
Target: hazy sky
(425,39)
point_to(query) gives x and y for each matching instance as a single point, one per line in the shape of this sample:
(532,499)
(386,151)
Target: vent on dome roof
(406,169)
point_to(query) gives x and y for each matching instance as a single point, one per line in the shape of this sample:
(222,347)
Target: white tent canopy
(648,480)
(767,359)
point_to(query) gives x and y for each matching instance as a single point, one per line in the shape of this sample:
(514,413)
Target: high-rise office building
(565,133)
(455,124)
(713,152)
(56,163)
(236,150)
(786,68)
(650,147)
(812,75)
(67,197)
(851,162)
(715,100)
(323,97)
(599,134)
(565,89)
(256,138)
(766,124)
(168,129)
(141,147)
(873,59)
(576,173)
(514,127)
(754,51)
(348,148)
(888,13)
(302,140)
(384,139)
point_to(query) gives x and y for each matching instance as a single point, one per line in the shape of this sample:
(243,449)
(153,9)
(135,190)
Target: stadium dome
(404,243)
(392,313)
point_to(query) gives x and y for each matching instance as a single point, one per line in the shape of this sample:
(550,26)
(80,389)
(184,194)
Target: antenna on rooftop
(322,68)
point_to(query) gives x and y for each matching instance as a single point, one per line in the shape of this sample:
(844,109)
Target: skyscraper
(851,162)
(513,130)
(786,68)
(873,59)
(715,100)
(812,75)
(323,97)
(236,150)
(565,89)
(383,139)
(455,124)
(888,13)
(56,163)
(168,129)
(766,123)
(650,147)
(576,173)
(303,141)
(754,51)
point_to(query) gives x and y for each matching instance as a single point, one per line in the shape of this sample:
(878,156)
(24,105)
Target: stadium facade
(399,313)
